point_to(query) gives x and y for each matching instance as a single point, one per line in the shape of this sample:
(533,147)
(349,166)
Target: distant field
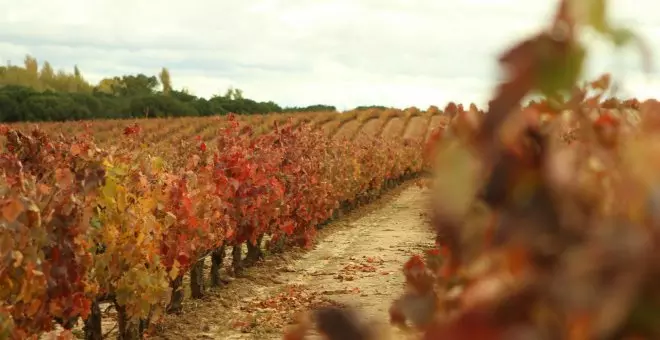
(161,134)
(168,193)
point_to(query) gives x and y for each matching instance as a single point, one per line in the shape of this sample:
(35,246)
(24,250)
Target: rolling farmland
(160,131)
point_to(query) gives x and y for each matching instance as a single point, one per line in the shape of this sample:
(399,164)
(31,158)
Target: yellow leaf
(110,188)
(139,239)
(18,258)
(106,163)
(174,273)
(121,198)
(170,219)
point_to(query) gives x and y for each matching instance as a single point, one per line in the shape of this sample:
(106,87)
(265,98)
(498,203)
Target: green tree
(238,94)
(30,93)
(47,75)
(31,75)
(166,81)
(138,85)
(113,86)
(31,65)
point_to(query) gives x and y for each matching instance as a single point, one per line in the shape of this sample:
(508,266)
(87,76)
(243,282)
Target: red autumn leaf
(183,259)
(55,254)
(287,227)
(468,326)
(606,119)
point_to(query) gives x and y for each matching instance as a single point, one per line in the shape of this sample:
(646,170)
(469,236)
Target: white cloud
(295,52)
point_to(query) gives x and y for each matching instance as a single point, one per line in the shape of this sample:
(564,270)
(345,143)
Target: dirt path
(357,262)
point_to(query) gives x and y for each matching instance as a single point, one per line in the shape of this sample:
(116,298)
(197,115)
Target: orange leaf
(517,259)
(43,189)
(579,327)
(33,308)
(64,177)
(75,149)
(54,308)
(12,209)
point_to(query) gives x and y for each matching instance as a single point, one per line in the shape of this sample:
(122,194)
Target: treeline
(39,93)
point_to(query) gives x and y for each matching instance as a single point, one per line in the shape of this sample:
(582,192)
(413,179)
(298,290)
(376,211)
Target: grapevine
(84,225)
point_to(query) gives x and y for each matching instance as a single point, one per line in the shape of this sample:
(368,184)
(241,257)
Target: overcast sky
(294,52)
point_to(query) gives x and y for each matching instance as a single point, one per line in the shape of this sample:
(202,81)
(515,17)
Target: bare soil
(370,128)
(356,262)
(330,127)
(348,130)
(417,127)
(393,127)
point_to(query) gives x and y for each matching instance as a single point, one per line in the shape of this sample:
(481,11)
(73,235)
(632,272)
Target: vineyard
(543,216)
(123,210)
(160,134)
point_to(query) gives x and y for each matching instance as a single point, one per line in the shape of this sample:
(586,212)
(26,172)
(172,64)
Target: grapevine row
(162,132)
(81,225)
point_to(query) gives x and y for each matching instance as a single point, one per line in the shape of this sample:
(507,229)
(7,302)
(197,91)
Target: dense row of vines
(83,225)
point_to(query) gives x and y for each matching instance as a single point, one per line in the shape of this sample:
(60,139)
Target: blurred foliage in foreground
(547,215)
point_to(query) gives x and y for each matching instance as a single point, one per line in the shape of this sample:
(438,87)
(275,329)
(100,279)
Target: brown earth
(330,127)
(356,262)
(417,127)
(370,128)
(348,129)
(394,127)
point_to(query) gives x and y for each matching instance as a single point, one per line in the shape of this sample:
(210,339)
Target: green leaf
(558,76)
(95,222)
(598,15)
(622,36)
(157,164)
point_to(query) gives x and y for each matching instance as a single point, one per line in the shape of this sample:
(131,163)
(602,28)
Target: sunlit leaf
(11,209)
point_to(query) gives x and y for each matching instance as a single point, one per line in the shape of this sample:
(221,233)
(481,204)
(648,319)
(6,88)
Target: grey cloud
(341,52)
